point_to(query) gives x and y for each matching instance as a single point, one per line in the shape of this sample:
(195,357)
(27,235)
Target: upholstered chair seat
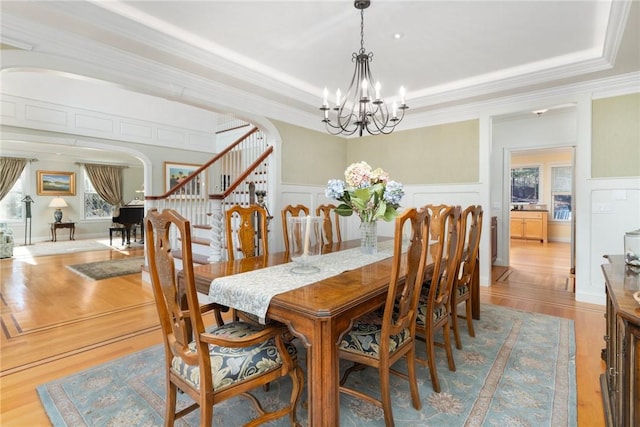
(364,337)
(437,313)
(230,366)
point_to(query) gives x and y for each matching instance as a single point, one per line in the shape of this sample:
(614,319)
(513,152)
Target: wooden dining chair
(288,212)
(329,225)
(214,364)
(246,231)
(471,224)
(381,338)
(434,308)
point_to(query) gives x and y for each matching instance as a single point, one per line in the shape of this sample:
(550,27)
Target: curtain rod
(22,158)
(102,164)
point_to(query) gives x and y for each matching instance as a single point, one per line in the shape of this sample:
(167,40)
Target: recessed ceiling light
(540,112)
(398,36)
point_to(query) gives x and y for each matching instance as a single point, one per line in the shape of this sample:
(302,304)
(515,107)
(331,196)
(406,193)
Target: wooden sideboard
(621,381)
(530,225)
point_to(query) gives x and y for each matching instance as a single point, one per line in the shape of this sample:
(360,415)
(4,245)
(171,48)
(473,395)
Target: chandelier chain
(361,30)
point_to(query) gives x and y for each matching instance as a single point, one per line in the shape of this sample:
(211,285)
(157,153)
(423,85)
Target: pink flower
(358,175)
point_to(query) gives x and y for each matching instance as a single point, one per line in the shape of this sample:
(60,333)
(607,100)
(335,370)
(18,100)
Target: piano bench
(123,233)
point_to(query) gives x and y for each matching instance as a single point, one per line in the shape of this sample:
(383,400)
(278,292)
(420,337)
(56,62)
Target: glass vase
(305,243)
(369,237)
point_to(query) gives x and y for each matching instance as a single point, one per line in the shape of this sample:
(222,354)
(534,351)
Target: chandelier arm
(339,130)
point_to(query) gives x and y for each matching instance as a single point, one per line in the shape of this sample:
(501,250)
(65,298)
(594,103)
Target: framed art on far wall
(174,173)
(52,183)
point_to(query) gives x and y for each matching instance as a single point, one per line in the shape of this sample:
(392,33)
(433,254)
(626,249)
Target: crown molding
(208,60)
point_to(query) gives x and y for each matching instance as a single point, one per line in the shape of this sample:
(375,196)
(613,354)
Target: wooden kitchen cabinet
(530,225)
(620,382)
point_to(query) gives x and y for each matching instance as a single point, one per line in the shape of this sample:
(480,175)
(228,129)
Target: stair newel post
(216,230)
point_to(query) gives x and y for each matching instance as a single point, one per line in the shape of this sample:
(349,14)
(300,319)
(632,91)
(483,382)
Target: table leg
(72,232)
(323,372)
(53,233)
(320,337)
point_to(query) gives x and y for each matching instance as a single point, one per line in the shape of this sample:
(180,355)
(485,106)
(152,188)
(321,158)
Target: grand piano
(131,214)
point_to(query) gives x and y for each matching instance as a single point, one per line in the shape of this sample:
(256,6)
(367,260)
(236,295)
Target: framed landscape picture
(51,183)
(174,173)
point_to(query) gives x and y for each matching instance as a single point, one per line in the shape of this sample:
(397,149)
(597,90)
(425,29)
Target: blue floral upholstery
(462,289)
(234,365)
(438,312)
(364,336)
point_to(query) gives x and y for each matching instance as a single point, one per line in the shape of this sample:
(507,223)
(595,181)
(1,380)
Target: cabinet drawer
(527,215)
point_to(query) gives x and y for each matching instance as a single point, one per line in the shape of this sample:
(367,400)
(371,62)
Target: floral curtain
(10,170)
(107,181)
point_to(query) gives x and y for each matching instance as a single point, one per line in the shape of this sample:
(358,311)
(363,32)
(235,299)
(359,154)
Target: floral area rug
(106,269)
(519,370)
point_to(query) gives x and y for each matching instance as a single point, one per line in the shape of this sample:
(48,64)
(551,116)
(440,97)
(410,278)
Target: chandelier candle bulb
(394,109)
(377,90)
(325,95)
(402,94)
(338,95)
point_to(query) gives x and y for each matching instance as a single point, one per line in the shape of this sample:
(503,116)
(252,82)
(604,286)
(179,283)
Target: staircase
(239,174)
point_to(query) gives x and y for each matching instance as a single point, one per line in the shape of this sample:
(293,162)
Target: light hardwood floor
(55,322)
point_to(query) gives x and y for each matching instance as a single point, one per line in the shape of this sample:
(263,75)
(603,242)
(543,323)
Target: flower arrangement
(366,191)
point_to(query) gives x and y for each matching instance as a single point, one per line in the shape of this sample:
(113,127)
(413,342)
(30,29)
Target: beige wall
(432,155)
(310,157)
(440,154)
(615,150)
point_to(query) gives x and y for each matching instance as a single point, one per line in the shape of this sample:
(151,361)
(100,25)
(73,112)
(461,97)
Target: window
(94,206)
(11,207)
(525,184)
(561,177)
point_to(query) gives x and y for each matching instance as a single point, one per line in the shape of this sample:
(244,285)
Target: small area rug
(519,370)
(60,247)
(107,269)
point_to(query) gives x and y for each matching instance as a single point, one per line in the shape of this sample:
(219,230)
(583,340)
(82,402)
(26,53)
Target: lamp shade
(58,202)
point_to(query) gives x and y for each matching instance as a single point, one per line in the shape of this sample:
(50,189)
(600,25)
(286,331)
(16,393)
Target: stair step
(197,258)
(199,240)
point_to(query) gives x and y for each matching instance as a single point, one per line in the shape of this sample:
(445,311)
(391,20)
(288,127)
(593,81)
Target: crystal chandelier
(362,108)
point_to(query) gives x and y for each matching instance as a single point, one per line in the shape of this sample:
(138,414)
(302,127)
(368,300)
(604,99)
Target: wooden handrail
(192,176)
(242,177)
(233,128)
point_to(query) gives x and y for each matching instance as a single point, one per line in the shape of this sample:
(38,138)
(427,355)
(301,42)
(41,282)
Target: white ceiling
(275,57)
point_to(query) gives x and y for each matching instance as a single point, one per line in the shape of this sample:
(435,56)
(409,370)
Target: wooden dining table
(318,314)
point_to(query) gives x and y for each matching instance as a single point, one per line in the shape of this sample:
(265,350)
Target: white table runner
(252,291)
